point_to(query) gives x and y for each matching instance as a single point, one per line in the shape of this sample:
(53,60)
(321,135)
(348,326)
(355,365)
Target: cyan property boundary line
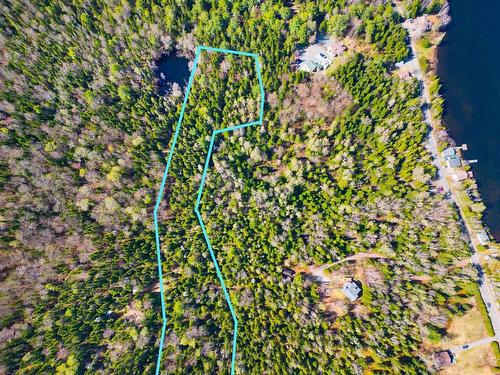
(199,49)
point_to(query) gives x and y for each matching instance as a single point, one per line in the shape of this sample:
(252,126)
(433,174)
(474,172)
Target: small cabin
(461,175)
(453,162)
(351,290)
(449,152)
(288,274)
(308,66)
(482,237)
(443,359)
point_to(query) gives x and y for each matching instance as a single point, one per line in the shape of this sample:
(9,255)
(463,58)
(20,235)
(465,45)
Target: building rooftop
(443,359)
(453,162)
(461,175)
(308,66)
(450,151)
(351,290)
(321,63)
(482,237)
(319,56)
(335,48)
(404,74)
(288,273)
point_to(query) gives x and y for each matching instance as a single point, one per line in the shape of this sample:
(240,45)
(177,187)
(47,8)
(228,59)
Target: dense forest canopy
(338,168)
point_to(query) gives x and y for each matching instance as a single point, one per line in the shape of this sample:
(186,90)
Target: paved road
(458,349)
(485,287)
(432,143)
(488,295)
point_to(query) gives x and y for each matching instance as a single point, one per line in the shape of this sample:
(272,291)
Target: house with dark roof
(443,359)
(288,274)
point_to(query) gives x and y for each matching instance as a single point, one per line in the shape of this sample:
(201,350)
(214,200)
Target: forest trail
(361,256)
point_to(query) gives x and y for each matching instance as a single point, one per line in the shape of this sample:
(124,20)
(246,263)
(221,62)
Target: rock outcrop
(444,16)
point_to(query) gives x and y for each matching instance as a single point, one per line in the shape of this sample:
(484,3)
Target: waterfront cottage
(449,152)
(461,175)
(453,162)
(404,74)
(482,237)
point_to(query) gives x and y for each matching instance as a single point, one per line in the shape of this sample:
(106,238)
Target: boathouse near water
(449,152)
(453,162)
(482,237)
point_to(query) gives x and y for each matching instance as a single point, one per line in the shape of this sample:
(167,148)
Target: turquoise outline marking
(199,49)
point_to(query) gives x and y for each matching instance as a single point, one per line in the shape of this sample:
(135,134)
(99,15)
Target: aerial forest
(337,178)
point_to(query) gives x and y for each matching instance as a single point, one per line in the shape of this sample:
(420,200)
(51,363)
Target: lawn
(476,361)
(467,328)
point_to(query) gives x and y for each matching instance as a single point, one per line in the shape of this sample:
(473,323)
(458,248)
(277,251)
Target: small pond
(172,69)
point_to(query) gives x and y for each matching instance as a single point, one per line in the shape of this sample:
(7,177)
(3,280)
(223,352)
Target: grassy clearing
(492,268)
(466,328)
(476,361)
(484,313)
(496,349)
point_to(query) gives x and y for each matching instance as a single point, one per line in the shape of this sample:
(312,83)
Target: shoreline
(439,130)
(445,180)
(464,97)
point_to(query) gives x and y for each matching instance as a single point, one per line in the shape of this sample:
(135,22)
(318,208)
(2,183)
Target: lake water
(469,67)
(172,69)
